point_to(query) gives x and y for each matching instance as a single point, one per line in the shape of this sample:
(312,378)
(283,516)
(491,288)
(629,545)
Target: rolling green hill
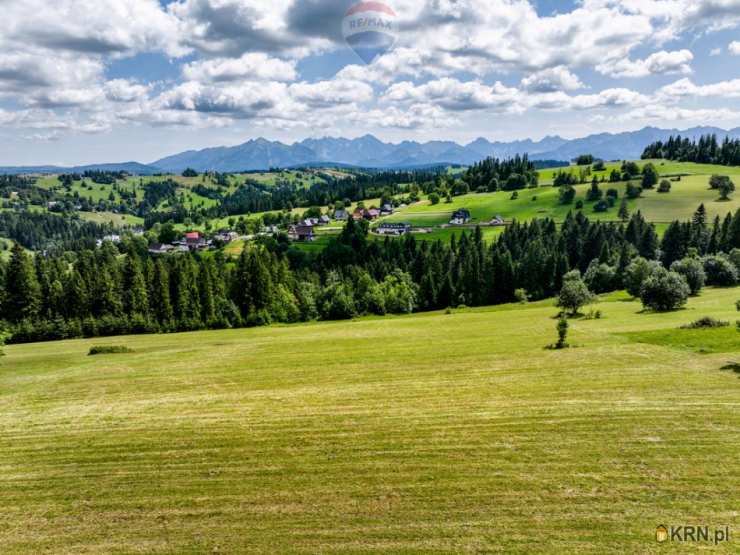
(424,434)
(660,208)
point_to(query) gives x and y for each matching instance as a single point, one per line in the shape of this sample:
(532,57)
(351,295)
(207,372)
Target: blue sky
(141,79)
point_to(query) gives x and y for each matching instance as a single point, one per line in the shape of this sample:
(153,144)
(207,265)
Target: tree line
(100,292)
(706,150)
(493,174)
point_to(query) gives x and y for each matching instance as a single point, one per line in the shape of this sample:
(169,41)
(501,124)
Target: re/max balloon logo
(370,29)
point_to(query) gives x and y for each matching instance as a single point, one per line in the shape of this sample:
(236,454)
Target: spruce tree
(22,291)
(624,212)
(160,295)
(135,295)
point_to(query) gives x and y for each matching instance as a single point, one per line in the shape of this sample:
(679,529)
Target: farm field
(432,433)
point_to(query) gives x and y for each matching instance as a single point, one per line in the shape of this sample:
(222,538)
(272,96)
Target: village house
(158,248)
(497,221)
(226,236)
(109,238)
(386,210)
(195,241)
(341,215)
(394,229)
(460,217)
(302,233)
(324,220)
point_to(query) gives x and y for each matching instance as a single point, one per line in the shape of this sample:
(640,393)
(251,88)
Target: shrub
(434,198)
(664,291)
(579,205)
(706,322)
(693,271)
(521,296)
(720,271)
(600,278)
(637,272)
(601,206)
(574,294)
(734,257)
(664,187)
(633,191)
(567,194)
(562,328)
(723,184)
(109,350)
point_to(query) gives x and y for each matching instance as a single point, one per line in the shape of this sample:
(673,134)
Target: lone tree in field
(665,186)
(562,328)
(574,294)
(649,176)
(725,186)
(664,291)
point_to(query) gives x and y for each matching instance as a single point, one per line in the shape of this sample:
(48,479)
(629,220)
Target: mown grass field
(432,433)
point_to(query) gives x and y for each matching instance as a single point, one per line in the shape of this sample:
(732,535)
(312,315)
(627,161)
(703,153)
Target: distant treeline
(43,231)
(493,174)
(706,150)
(100,292)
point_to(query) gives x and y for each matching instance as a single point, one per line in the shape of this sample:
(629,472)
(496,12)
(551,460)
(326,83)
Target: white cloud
(551,80)
(246,54)
(90,27)
(234,27)
(246,100)
(124,90)
(416,116)
(452,94)
(659,63)
(255,66)
(328,94)
(686,88)
(608,98)
(715,52)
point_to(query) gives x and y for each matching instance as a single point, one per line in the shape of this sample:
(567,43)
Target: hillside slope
(429,433)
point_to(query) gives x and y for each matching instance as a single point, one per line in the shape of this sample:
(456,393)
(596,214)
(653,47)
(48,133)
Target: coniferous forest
(707,150)
(120,289)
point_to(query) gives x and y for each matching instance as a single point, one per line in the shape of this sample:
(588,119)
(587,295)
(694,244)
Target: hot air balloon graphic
(370,29)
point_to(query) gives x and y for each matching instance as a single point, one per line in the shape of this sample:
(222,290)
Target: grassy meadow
(542,202)
(433,433)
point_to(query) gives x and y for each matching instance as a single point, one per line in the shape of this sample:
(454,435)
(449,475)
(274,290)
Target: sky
(92,81)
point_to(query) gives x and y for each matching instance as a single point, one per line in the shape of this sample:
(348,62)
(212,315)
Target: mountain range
(370,152)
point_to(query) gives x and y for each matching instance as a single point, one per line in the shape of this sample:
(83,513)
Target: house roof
(302,229)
